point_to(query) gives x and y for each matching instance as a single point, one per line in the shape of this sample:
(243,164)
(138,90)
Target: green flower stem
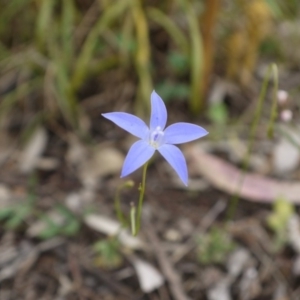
(133,220)
(141,199)
(117,204)
(272,70)
(120,215)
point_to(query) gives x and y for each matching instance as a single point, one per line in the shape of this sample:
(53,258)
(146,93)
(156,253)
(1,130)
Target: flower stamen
(156,137)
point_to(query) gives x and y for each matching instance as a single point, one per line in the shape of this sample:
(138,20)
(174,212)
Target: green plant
(56,64)
(196,101)
(68,227)
(278,221)
(218,114)
(108,253)
(171,91)
(15,215)
(214,246)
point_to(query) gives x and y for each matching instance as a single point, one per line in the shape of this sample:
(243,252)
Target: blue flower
(157,137)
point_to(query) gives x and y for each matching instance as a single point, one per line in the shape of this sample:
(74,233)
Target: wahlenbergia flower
(157,137)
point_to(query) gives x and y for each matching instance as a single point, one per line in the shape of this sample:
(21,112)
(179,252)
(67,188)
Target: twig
(27,257)
(110,282)
(75,272)
(167,268)
(203,226)
(211,216)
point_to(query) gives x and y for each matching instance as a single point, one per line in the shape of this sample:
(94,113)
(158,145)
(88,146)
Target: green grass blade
(196,54)
(142,58)
(170,27)
(110,15)
(67,27)
(44,20)
(9,100)
(7,12)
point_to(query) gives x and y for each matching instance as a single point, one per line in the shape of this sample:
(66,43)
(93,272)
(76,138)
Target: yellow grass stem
(142,58)
(209,19)
(196,57)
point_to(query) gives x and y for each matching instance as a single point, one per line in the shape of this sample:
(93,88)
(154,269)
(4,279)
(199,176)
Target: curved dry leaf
(230,179)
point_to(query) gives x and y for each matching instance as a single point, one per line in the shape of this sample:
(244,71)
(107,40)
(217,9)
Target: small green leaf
(218,114)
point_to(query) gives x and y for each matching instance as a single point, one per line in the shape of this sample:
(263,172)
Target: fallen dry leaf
(237,261)
(293,233)
(33,150)
(230,179)
(93,162)
(286,155)
(220,291)
(249,287)
(102,162)
(5,196)
(149,277)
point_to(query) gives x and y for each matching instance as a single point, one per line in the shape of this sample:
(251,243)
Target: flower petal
(179,133)
(158,112)
(138,154)
(128,122)
(175,158)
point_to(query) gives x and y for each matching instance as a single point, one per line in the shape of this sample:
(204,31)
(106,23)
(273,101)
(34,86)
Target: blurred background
(232,67)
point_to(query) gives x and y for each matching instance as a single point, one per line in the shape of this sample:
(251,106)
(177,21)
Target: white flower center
(156,137)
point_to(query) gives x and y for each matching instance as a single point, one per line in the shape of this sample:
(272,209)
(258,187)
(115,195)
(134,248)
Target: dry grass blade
(167,268)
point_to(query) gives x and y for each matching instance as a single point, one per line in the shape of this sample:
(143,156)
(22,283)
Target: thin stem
(274,69)
(117,204)
(120,215)
(141,198)
(257,116)
(133,220)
